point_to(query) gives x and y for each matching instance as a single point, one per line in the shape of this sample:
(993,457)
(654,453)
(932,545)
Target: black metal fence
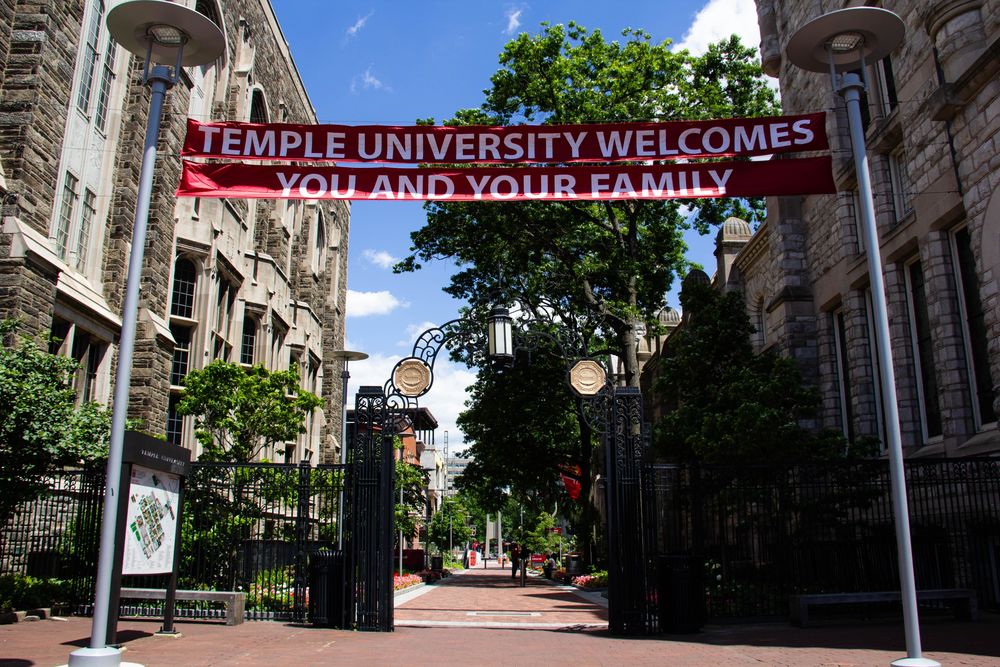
(247,527)
(764,533)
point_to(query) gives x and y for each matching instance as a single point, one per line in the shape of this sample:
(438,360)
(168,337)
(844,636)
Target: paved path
(491,598)
(441,637)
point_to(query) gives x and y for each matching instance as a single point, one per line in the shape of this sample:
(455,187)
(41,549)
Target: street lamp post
(161,32)
(347,356)
(838,42)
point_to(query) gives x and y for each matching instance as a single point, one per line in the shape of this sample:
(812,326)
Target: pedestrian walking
(515,558)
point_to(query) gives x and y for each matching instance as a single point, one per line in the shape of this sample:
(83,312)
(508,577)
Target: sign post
(148,527)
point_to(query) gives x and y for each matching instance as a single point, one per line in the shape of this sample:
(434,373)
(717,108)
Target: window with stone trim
(899,183)
(248,343)
(876,372)
(258,107)
(88,214)
(185,281)
(90,134)
(175,422)
(973,322)
(844,391)
(67,214)
(319,246)
(884,82)
(90,380)
(91,55)
(923,351)
(225,304)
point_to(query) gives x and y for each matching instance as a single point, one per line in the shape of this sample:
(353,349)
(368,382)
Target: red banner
(728,137)
(587,183)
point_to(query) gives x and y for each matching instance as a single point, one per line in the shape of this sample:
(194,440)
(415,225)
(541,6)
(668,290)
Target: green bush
(20,592)
(272,590)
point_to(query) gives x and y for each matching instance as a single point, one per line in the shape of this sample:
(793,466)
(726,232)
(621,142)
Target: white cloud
(359,24)
(367,81)
(719,19)
(380,258)
(363,304)
(513,20)
(414,330)
(445,400)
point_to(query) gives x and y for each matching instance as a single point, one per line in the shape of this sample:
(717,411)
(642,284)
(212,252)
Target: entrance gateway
(596,162)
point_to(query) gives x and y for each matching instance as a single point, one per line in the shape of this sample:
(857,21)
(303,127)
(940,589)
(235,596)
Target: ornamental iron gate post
(369,513)
(632,607)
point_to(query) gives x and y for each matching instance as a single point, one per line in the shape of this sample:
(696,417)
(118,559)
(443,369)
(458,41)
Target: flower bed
(592,581)
(399,582)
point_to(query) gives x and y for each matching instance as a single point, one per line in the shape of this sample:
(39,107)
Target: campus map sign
(595,162)
(151,521)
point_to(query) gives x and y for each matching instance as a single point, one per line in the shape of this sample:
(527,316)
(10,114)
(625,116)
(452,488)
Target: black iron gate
(369,513)
(632,602)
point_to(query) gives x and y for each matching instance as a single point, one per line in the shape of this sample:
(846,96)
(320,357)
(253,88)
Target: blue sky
(391,63)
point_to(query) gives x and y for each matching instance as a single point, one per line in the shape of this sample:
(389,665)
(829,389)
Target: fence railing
(247,527)
(765,533)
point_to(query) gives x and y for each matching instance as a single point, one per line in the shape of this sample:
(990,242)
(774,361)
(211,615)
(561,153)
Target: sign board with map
(151,521)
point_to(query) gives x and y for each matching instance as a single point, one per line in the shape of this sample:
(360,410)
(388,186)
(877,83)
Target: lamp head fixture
(845,39)
(166,32)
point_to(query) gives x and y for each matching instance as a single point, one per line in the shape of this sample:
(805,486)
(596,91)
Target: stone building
(932,119)
(252,282)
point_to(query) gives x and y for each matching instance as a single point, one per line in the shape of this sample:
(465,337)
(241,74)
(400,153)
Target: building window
(249,343)
(89,353)
(67,211)
(876,370)
(90,57)
(973,327)
(183,293)
(843,375)
(226,301)
(175,423)
(258,107)
(923,351)
(104,93)
(859,226)
(899,182)
(182,354)
(885,86)
(319,256)
(86,225)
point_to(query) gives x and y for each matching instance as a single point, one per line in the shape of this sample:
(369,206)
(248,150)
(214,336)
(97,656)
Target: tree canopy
(601,267)
(726,403)
(240,412)
(41,427)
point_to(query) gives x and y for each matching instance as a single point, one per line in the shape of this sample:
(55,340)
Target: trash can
(572,565)
(681,593)
(327,588)
(437,563)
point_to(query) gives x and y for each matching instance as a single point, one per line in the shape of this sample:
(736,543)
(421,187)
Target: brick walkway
(491,598)
(445,640)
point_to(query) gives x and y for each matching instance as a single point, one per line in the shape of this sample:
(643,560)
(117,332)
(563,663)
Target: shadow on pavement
(124,636)
(937,635)
(14,662)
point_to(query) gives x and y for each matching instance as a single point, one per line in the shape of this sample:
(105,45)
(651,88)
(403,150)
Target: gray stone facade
(934,110)
(270,277)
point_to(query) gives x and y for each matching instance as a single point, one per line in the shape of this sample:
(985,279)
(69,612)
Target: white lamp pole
(161,32)
(837,42)
(347,356)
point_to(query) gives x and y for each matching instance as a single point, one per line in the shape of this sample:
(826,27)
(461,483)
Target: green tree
(449,526)
(599,266)
(412,482)
(726,403)
(240,412)
(37,402)
(540,539)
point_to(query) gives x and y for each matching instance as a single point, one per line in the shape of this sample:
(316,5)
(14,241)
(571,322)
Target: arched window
(320,251)
(208,9)
(258,107)
(185,279)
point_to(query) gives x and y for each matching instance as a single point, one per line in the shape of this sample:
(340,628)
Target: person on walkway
(515,558)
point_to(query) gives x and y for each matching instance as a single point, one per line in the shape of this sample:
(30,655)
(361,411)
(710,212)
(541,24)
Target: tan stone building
(253,282)
(932,126)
